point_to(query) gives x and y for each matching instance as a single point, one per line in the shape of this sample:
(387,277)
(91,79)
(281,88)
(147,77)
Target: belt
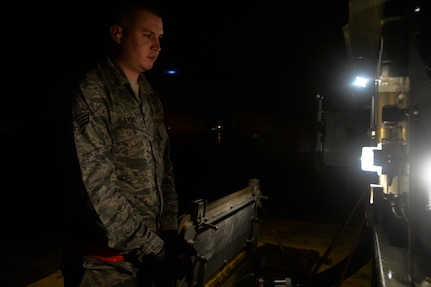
(100,252)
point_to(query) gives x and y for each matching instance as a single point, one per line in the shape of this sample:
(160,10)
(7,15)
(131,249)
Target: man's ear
(116,33)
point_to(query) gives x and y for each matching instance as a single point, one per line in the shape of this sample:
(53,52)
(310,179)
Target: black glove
(178,253)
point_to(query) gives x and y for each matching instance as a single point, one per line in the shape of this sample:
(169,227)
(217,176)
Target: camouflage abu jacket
(123,150)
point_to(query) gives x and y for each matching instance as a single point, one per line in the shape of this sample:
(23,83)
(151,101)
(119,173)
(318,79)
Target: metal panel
(222,230)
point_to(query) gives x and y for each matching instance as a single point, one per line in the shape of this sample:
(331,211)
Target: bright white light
(426,178)
(367,159)
(426,172)
(361,82)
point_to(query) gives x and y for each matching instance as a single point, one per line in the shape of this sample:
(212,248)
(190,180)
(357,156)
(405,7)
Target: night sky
(268,56)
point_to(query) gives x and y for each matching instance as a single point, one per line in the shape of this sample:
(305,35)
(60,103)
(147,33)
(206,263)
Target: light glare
(426,173)
(360,82)
(171,72)
(367,159)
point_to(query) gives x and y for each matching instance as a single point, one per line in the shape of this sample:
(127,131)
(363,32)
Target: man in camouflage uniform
(124,230)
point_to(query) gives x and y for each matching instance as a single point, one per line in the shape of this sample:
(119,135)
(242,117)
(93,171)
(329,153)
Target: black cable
(333,243)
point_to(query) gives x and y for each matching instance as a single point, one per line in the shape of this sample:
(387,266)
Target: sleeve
(169,220)
(125,229)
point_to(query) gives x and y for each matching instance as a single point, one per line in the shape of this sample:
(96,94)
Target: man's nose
(156,46)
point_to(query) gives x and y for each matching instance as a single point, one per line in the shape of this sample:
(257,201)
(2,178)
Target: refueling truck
(389,47)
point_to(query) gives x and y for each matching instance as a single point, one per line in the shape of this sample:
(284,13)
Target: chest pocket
(138,130)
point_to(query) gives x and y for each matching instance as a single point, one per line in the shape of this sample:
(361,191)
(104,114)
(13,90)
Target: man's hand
(178,256)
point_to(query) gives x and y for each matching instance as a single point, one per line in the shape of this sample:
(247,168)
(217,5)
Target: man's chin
(147,66)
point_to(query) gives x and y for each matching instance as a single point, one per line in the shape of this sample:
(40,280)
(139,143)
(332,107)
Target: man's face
(141,41)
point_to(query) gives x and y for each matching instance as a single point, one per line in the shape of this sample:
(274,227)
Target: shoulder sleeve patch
(80,122)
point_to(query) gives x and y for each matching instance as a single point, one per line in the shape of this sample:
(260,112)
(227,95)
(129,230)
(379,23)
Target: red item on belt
(103,253)
(111,259)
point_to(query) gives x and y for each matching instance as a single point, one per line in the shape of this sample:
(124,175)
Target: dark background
(255,69)
(268,56)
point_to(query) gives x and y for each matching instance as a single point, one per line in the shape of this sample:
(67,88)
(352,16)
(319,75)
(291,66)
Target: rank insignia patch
(80,122)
